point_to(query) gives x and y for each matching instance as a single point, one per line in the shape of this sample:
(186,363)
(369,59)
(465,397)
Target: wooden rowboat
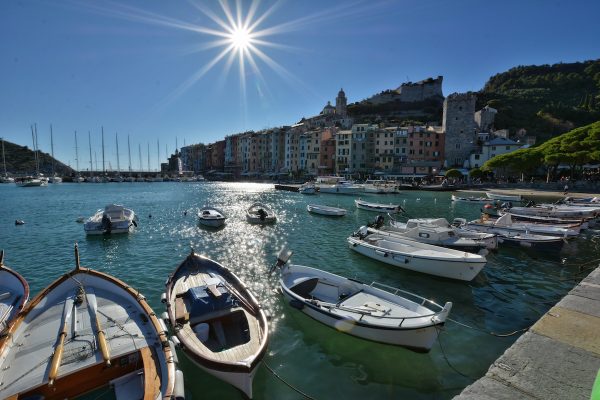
(14,293)
(217,321)
(88,332)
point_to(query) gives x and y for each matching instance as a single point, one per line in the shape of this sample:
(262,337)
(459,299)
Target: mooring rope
(295,389)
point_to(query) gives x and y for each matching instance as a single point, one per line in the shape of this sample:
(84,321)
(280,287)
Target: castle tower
(340,103)
(459,128)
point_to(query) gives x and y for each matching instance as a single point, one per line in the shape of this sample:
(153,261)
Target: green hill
(20,160)
(546,100)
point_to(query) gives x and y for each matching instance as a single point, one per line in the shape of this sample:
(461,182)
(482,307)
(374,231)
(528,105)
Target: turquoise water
(514,289)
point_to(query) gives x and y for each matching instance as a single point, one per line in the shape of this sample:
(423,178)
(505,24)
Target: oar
(91,299)
(58,351)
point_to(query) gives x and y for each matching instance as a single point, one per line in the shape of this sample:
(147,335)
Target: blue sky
(129,66)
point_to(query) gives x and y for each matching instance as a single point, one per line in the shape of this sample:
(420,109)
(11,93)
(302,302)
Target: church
(330,115)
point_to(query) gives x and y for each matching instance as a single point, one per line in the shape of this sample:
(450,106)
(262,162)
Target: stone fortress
(410,92)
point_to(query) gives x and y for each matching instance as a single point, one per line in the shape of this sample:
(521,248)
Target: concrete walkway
(558,358)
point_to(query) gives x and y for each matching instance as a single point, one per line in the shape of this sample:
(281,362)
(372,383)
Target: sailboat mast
(52,148)
(103,165)
(148,156)
(140,150)
(76,154)
(129,151)
(158,155)
(4,158)
(37,154)
(118,162)
(90,143)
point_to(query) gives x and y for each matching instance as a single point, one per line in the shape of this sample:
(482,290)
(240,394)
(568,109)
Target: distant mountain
(546,100)
(20,160)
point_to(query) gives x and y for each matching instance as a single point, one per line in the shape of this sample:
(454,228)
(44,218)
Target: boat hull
(420,339)
(328,211)
(504,197)
(213,223)
(461,270)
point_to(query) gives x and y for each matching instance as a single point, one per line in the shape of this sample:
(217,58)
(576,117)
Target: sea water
(514,289)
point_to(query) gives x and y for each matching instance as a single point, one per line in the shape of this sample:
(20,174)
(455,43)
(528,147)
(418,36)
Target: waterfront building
(327,151)
(492,148)
(310,147)
(363,151)
(484,119)
(292,146)
(232,163)
(401,148)
(343,148)
(384,150)
(192,157)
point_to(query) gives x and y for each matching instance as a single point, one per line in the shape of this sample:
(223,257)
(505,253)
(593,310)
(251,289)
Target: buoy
(179,389)
(488,206)
(19,222)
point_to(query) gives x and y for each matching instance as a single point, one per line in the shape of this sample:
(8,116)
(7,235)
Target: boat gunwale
(259,314)
(25,298)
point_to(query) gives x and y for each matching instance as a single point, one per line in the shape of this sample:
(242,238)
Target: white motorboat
(55,179)
(422,225)
(113,219)
(379,186)
(583,223)
(259,213)
(337,185)
(521,238)
(14,294)
(377,207)
(505,223)
(375,312)
(504,196)
(557,211)
(31,182)
(416,256)
(307,188)
(326,210)
(471,199)
(217,321)
(85,332)
(211,216)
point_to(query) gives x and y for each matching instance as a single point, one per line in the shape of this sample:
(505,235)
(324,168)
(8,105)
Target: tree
(453,173)
(476,173)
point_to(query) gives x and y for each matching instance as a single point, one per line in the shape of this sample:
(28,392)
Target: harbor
(512,292)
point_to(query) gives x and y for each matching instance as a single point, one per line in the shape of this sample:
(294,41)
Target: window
(477,156)
(493,147)
(457,146)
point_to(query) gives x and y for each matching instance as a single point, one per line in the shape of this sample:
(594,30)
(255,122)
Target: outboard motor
(106,223)
(361,233)
(378,222)
(262,214)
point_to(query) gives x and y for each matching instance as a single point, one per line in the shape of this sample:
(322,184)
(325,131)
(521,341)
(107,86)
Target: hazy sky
(147,68)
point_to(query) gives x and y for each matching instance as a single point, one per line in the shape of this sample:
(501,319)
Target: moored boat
(505,223)
(88,331)
(504,196)
(375,311)
(113,219)
(307,188)
(471,199)
(418,257)
(337,185)
(217,321)
(14,294)
(259,213)
(211,216)
(326,210)
(378,207)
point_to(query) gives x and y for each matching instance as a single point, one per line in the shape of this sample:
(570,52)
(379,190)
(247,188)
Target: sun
(241,38)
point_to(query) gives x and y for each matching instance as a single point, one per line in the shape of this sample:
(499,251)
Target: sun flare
(241,38)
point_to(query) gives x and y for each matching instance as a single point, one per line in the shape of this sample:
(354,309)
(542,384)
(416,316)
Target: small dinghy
(504,196)
(505,223)
(217,321)
(88,332)
(113,219)
(211,216)
(326,210)
(258,213)
(388,208)
(14,293)
(307,188)
(416,256)
(374,312)
(472,199)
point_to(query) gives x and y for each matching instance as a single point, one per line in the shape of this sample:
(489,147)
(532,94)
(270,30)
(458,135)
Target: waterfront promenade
(558,358)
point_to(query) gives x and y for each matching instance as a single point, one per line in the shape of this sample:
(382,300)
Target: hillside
(546,100)
(20,160)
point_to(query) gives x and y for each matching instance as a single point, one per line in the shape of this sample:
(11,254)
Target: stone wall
(413,92)
(459,126)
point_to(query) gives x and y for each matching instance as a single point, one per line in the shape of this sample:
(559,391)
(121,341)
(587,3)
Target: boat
(487,240)
(583,223)
(307,188)
(471,199)
(337,185)
(375,311)
(86,332)
(504,196)
(217,321)
(258,213)
(522,238)
(416,256)
(5,178)
(14,294)
(557,211)
(113,219)
(211,216)
(379,186)
(505,223)
(326,210)
(30,181)
(387,208)
(435,235)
